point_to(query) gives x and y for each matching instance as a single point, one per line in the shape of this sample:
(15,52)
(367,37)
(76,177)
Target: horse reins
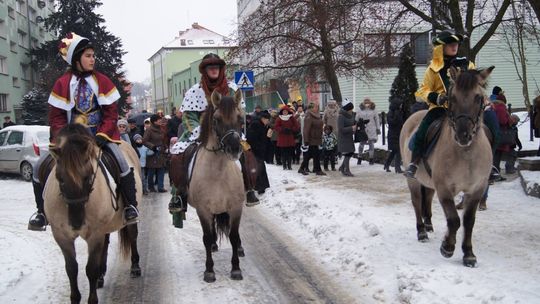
(221,145)
(453,119)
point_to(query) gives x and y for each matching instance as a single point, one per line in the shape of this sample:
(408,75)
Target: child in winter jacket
(329,146)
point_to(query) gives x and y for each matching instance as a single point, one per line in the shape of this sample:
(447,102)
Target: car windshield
(43,137)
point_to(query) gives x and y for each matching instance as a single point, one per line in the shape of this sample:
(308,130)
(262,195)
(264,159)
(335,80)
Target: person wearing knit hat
(123,129)
(495,93)
(346,128)
(85,96)
(434,88)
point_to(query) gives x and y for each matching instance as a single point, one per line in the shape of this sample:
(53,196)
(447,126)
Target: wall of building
(19,31)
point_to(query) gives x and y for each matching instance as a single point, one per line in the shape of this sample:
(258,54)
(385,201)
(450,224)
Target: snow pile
(530,181)
(362,230)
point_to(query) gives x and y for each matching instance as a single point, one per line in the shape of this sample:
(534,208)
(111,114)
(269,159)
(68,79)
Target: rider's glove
(441,99)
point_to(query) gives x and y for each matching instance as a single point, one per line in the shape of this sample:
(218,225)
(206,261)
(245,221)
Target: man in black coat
(258,135)
(132,125)
(173,124)
(395,123)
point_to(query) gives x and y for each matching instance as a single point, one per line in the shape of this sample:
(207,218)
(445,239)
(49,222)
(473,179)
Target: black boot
(251,199)
(371,161)
(178,203)
(128,191)
(411,170)
(38,221)
(346,167)
(359,162)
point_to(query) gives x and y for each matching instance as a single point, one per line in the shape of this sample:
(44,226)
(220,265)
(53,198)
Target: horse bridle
(82,200)
(454,119)
(221,145)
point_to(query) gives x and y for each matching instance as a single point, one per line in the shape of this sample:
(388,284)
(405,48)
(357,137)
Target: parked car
(20,148)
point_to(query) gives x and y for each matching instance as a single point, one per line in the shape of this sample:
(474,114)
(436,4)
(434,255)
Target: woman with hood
(286,127)
(346,128)
(368,114)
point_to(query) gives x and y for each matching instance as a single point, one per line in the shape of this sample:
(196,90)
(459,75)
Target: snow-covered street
(311,240)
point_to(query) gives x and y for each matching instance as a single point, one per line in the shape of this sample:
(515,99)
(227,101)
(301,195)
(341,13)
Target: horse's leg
(416,198)
(241,252)
(234,237)
(215,247)
(452,221)
(101,279)
(72,268)
(427,199)
(208,240)
(469,216)
(93,267)
(133,231)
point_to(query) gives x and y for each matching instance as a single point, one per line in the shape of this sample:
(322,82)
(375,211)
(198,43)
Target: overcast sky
(146,25)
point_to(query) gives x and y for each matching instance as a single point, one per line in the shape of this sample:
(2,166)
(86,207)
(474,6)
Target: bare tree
(463,17)
(326,36)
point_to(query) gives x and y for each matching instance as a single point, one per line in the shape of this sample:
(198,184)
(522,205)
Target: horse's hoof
(237,275)
(447,251)
(423,237)
(469,261)
(135,271)
(241,252)
(214,247)
(429,227)
(209,277)
(100,281)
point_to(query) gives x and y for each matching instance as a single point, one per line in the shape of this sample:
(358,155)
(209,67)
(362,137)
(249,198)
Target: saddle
(107,159)
(432,136)
(179,167)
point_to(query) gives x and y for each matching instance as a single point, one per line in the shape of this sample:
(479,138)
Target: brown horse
(460,161)
(80,202)
(216,189)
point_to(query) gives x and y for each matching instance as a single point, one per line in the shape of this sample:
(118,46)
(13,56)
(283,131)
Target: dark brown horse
(79,202)
(460,162)
(216,189)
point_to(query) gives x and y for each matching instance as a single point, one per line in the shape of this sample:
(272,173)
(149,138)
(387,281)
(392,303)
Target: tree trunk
(328,65)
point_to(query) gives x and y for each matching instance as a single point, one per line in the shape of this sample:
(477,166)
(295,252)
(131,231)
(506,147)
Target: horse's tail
(125,242)
(76,215)
(223,225)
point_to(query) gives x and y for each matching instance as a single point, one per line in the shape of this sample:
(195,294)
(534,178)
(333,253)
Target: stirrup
(134,220)
(176,204)
(411,171)
(34,227)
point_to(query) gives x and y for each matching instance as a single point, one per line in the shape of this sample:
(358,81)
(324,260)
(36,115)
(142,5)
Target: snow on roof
(199,37)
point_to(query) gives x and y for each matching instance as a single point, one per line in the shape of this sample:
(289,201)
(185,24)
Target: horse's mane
(226,107)
(77,147)
(467,80)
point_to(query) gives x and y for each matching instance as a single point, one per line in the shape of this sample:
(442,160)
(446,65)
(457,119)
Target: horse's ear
(55,151)
(484,74)
(216,99)
(238,97)
(454,72)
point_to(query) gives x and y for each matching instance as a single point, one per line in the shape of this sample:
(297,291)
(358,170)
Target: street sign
(245,80)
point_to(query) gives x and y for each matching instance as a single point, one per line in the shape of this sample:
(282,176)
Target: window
(3,29)
(16,82)
(15,138)
(3,103)
(24,71)
(13,46)
(22,39)
(383,50)
(194,80)
(20,6)
(35,43)
(11,12)
(3,65)
(32,15)
(176,89)
(3,137)
(41,32)
(182,42)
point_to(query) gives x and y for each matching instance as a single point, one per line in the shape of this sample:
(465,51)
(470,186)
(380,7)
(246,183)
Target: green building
(178,56)
(21,28)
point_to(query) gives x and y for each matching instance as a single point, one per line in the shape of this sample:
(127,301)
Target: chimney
(196,25)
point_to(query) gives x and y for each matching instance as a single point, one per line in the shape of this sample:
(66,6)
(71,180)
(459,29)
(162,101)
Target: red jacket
(60,104)
(286,131)
(504,121)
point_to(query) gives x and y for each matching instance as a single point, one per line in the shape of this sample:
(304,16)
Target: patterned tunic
(193,106)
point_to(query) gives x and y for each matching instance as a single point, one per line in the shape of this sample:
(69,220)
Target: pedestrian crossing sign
(244,80)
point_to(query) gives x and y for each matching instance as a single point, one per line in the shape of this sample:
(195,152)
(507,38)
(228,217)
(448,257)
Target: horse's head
(466,102)
(226,121)
(75,155)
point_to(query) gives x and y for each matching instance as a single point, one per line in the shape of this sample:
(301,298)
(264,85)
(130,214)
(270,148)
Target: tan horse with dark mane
(216,189)
(80,202)
(460,162)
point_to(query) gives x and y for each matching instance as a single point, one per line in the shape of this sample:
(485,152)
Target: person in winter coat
(274,150)
(536,120)
(173,124)
(330,115)
(512,156)
(153,140)
(329,147)
(346,129)
(499,105)
(144,152)
(299,115)
(286,127)
(434,87)
(373,129)
(312,136)
(122,128)
(83,95)
(258,134)
(395,121)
